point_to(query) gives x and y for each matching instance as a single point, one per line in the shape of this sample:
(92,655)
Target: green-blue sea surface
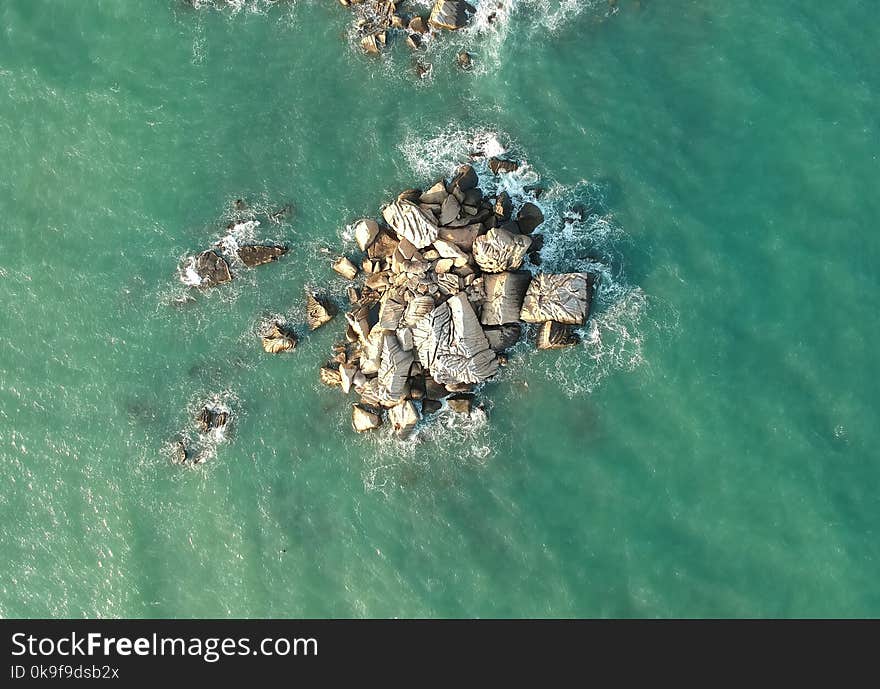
(710,449)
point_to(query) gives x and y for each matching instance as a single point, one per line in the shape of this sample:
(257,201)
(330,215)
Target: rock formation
(441,298)
(377,22)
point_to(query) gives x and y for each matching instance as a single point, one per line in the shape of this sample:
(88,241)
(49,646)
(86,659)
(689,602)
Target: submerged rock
(553,335)
(257,255)
(563,297)
(500,166)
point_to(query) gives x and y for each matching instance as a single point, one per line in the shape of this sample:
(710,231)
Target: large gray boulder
(394,364)
(562,297)
(450,14)
(451,344)
(504,297)
(411,222)
(499,250)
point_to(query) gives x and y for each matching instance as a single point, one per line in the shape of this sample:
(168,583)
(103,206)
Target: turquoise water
(710,450)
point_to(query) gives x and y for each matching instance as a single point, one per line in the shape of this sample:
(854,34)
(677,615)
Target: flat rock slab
(257,255)
(563,297)
(211,268)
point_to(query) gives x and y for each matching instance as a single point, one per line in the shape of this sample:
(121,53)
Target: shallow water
(706,451)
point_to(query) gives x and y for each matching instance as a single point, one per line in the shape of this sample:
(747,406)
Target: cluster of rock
(378,20)
(210,417)
(277,336)
(210,268)
(443,297)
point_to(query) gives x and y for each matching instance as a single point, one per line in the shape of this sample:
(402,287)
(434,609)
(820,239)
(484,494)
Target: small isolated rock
(318,312)
(403,418)
(181,453)
(345,268)
(465,61)
(365,233)
(256,255)
(278,340)
(362,419)
(211,269)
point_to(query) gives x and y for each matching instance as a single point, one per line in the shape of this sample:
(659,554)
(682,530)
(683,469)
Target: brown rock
(553,335)
(211,268)
(253,256)
(318,312)
(363,419)
(500,250)
(365,232)
(500,165)
(278,339)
